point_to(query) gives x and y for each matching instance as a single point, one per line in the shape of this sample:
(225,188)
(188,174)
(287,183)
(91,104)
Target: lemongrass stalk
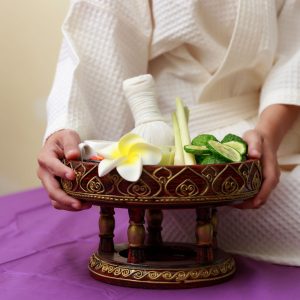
(189,159)
(178,156)
(167,155)
(187,114)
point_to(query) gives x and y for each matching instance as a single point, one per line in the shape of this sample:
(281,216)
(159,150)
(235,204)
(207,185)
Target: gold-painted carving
(187,188)
(95,185)
(139,189)
(194,274)
(256,181)
(230,185)
(162,175)
(210,173)
(165,185)
(67,185)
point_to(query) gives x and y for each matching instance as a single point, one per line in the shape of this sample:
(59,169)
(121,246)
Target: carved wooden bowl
(146,261)
(167,186)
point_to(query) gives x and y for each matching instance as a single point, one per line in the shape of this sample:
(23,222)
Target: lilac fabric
(44,255)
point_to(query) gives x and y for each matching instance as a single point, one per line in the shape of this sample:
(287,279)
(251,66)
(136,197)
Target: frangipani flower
(128,156)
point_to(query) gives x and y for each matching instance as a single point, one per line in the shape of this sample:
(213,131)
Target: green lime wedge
(196,150)
(241,147)
(224,151)
(202,139)
(232,137)
(210,159)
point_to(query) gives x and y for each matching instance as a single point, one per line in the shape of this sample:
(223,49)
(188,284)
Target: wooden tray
(146,261)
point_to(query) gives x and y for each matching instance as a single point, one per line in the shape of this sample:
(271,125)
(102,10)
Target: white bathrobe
(228,60)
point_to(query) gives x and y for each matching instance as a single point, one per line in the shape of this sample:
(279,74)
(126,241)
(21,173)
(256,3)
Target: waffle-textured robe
(228,61)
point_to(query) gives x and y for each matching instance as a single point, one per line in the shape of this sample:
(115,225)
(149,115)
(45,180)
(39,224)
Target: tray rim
(168,201)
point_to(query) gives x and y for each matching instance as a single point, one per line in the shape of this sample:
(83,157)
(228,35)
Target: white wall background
(30,38)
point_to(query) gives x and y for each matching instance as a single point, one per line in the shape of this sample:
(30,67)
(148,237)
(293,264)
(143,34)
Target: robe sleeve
(282,85)
(104,43)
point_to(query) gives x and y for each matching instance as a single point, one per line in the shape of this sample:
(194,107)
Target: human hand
(63,143)
(259,146)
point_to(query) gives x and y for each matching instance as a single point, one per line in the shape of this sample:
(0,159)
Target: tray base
(169,266)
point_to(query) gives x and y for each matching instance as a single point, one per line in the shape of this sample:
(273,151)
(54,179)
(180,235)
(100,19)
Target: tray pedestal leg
(154,220)
(204,235)
(136,235)
(106,228)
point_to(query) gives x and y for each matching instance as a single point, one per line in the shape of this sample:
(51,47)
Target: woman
(236,65)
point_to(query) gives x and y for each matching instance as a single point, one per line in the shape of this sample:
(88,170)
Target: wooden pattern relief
(210,272)
(167,184)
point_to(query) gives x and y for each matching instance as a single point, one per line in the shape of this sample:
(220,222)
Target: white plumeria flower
(128,156)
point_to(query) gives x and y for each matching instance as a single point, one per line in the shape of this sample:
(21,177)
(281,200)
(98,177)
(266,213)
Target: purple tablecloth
(44,255)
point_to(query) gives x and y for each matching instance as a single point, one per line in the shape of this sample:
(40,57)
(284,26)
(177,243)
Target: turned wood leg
(204,235)
(154,220)
(214,222)
(106,227)
(136,235)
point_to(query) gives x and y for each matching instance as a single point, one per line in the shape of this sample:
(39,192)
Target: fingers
(248,204)
(70,144)
(255,143)
(61,144)
(59,199)
(271,172)
(49,160)
(271,175)
(268,185)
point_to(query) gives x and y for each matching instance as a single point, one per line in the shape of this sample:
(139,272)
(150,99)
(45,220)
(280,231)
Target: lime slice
(210,159)
(232,137)
(241,147)
(197,150)
(224,151)
(202,139)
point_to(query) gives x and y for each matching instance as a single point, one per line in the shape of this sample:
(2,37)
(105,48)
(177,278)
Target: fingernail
(69,153)
(69,176)
(72,154)
(255,152)
(257,202)
(75,205)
